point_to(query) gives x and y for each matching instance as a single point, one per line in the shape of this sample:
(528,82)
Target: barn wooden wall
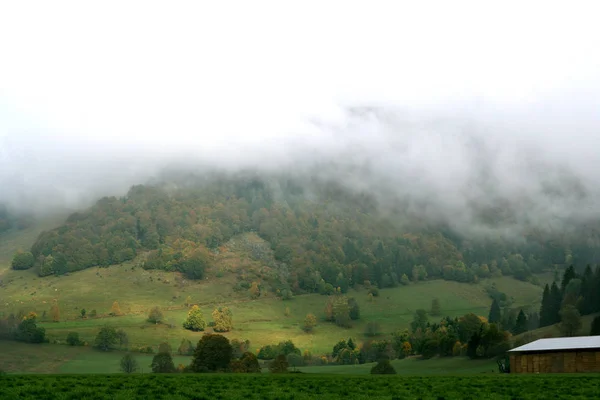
(568,361)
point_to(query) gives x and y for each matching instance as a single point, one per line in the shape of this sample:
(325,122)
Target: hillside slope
(314,239)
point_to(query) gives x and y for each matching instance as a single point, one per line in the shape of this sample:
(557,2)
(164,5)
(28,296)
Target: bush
(383,367)
(373,291)
(22,260)
(155,316)
(73,339)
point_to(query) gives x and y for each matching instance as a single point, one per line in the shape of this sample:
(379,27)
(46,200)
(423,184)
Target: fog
(445,111)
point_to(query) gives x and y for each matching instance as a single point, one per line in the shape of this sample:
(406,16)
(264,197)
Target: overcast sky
(100,95)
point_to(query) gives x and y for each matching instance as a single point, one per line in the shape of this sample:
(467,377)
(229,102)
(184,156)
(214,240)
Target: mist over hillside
(472,130)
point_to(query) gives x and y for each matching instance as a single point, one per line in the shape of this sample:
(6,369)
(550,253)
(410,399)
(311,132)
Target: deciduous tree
(129,364)
(106,338)
(223,319)
(155,316)
(570,323)
(162,363)
(115,309)
(309,323)
(213,353)
(194,322)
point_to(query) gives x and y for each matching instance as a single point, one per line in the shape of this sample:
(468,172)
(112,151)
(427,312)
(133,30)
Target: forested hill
(319,239)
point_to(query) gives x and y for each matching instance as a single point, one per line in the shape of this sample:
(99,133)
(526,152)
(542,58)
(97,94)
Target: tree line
(318,244)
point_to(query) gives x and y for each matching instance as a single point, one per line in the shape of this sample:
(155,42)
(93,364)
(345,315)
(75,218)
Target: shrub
(73,339)
(155,316)
(22,260)
(309,323)
(383,367)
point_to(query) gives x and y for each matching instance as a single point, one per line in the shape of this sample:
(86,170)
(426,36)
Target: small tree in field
(115,309)
(162,363)
(82,312)
(194,321)
(287,312)
(309,323)
(129,364)
(55,312)
(279,365)
(188,301)
(164,347)
(107,338)
(185,348)
(222,317)
(213,353)
(155,316)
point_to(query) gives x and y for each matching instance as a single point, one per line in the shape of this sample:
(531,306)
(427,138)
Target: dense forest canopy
(321,236)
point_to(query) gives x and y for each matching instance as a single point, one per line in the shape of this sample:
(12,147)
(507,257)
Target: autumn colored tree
(309,323)
(213,353)
(55,312)
(185,348)
(254,290)
(248,363)
(155,316)
(223,319)
(195,321)
(188,301)
(279,365)
(115,309)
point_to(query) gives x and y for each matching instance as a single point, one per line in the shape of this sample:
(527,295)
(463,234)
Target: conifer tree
(546,308)
(555,303)
(495,313)
(521,324)
(567,276)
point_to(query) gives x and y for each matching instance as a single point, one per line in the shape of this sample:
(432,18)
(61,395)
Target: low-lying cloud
(457,120)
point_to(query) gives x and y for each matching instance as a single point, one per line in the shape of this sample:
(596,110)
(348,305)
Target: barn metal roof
(565,343)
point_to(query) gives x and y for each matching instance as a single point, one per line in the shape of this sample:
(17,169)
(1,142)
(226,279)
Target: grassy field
(297,386)
(52,359)
(261,321)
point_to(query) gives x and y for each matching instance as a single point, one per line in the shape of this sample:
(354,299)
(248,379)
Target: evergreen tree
(567,276)
(521,324)
(587,291)
(595,330)
(495,313)
(555,303)
(545,309)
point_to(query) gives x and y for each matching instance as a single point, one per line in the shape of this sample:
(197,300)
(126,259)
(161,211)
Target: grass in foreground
(297,387)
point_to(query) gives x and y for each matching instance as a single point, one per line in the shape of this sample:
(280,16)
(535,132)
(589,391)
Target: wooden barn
(569,354)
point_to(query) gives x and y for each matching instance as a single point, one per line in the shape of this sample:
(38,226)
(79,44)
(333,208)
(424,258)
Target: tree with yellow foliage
(254,290)
(115,309)
(222,317)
